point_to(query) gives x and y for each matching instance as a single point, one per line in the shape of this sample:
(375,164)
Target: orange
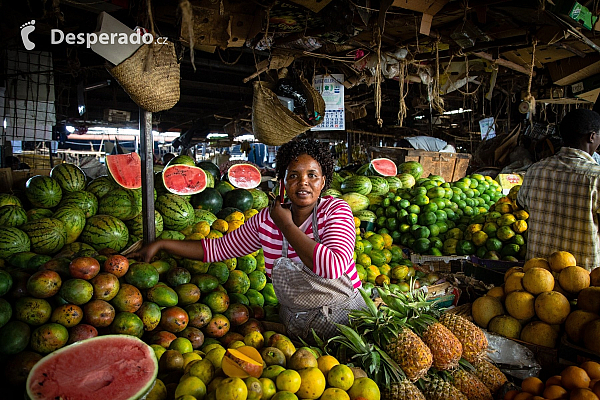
(532,385)
(555,392)
(554,380)
(510,395)
(574,377)
(326,362)
(560,260)
(288,380)
(364,387)
(582,394)
(523,396)
(536,262)
(592,368)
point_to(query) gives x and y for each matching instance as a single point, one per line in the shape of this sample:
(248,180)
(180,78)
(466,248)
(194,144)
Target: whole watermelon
(12,216)
(121,203)
(136,227)
(69,176)
(101,186)
(43,191)
(177,212)
(74,220)
(209,199)
(105,231)
(241,199)
(261,199)
(83,200)
(13,241)
(411,167)
(9,199)
(211,168)
(47,235)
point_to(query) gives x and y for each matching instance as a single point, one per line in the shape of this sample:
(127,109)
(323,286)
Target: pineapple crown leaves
(381,367)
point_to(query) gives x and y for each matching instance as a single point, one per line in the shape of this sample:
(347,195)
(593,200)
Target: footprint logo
(26,29)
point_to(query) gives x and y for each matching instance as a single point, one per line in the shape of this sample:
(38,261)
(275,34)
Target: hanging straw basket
(150,77)
(273,124)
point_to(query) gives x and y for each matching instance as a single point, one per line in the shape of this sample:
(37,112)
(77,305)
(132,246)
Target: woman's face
(304,181)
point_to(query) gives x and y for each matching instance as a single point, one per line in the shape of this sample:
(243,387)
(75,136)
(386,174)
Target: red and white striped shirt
(331,258)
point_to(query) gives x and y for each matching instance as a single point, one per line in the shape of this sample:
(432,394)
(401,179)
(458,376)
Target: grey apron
(309,301)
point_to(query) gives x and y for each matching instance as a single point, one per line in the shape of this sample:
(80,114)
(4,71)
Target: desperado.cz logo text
(57,36)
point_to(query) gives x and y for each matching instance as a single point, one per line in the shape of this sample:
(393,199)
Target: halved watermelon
(383,167)
(115,367)
(244,176)
(184,179)
(125,169)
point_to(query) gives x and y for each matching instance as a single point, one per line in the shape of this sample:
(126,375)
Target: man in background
(562,194)
(426,143)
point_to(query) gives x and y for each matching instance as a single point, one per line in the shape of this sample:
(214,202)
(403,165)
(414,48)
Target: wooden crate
(450,166)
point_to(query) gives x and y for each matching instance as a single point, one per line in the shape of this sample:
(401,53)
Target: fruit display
(431,216)
(542,300)
(576,382)
(415,352)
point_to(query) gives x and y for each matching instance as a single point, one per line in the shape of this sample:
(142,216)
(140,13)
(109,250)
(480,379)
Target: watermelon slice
(125,169)
(383,167)
(115,367)
(244,176)
(184,179)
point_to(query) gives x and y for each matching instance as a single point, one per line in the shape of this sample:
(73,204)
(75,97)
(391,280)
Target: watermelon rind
(105,231)
(69,176)
(43,191)
(177,212)
(47,235)
(13,241)
(109,344)
(184,179)
(244,176)
(125,169)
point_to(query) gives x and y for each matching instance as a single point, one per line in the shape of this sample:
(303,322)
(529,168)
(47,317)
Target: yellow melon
(538,280)
(505,325)
(575,323)
(510,271)
(560,260)
(552,307)
(520,304)
(589,299)
(514,282)
(540,333)
(496,291)
(573,279)
(536,262)
(485,308)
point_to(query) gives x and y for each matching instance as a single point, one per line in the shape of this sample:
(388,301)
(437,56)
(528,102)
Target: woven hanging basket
(273,124)
(150,77)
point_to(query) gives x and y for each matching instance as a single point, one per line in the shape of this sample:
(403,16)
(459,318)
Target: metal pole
(146,154)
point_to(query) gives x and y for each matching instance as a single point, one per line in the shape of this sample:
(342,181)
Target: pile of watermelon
(62,280)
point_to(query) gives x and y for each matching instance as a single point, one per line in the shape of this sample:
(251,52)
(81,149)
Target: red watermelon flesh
(184,179)
(126,169)
(115,367)
(244,176)
(384,167)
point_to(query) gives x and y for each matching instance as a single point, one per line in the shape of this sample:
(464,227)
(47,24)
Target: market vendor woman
(307,243)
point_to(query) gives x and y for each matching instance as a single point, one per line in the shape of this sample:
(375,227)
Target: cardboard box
(571,70)
(508,181)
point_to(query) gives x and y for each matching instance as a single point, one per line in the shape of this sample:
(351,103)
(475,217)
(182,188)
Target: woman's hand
(147,252)
(281,214)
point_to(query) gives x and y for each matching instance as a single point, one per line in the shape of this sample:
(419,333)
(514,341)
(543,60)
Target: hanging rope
(187,15)
(437,101)
(467,93)
(402,109)
(378,80)
(529,98)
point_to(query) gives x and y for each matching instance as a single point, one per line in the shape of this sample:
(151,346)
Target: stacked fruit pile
(414,352)
(574,383)
(429,215)
(542,299)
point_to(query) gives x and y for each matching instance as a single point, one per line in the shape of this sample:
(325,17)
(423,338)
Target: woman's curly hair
(295,148)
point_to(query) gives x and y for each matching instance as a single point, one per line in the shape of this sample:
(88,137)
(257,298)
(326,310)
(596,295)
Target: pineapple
(435,388)
(470,385)
(490,375)
(445,347)
(389,331)
(472,338)
(404,390)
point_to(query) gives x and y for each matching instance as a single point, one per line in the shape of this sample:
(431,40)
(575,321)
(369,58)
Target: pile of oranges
(574,383)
